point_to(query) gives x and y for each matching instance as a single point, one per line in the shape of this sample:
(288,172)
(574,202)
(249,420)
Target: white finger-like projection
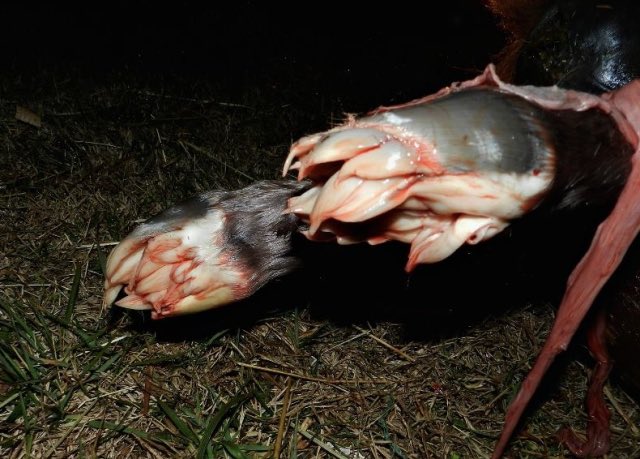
(446,170)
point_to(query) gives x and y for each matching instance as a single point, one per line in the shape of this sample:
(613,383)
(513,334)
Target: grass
(273,375)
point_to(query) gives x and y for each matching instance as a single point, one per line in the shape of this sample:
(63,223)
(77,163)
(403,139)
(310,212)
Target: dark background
(364,54)
(144,105)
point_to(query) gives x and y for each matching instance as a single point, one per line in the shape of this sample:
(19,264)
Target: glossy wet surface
(121,144)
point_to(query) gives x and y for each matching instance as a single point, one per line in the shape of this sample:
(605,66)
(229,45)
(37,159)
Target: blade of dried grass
(283,417)
(622,414)
(210,155)
(123,428)
(70,429)
(84,337)
(325,446)
(311,378)
(382,422)
(385,344)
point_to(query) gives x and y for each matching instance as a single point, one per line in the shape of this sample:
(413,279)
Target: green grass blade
(169,358)
(102,261)
(62,406)
(121,428)
(216,419)
(293,446)
(11,367)
(73,295)
(234,450)
(19,410)
(109,363)
(28,443)
(182,427)
(216,337)
(8,399)
(25,356)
